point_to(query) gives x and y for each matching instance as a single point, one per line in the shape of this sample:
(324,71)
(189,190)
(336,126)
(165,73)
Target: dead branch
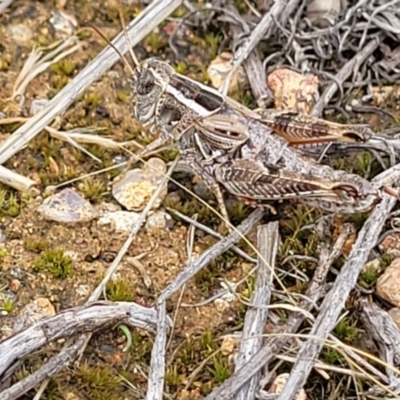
(207,256)
(228,389)
(256,316)
(335,299)
(381,327)
(87,318)
(253,66)
(264,29)
(351,67)
(155,385)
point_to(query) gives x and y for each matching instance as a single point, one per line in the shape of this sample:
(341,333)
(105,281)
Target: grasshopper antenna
(131,52)
(123,58)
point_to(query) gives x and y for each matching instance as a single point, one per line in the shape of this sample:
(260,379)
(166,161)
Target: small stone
(63,23)
(293,91)
(388,284)
(14,285)
(221,305)
(159,220)
(20,33)
(279,383)
(121,221)
(219,70)
(395,315)
(391,244)
(38,105)
(203,191)
(135,189)
(67,206)
(33,312)
(228,346)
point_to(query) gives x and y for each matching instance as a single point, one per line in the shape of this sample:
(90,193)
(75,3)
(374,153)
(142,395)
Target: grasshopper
(252,154)
(242,150)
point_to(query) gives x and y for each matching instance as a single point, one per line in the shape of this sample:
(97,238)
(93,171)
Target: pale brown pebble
(136,188)
(391,244)
(279,384)
(33,312)
(388,284)
(228,346)
(67,206)
(14,285)
(219,69)
(120,221)
(293,91)
(324,13)
(159,220)
(20,33)
(395,315)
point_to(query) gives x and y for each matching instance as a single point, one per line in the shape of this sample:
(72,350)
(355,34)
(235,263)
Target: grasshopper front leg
(189,155)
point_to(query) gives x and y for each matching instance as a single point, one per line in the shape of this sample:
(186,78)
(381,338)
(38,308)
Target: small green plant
(172,377)
(213,41)
(63,68)
(220,370)
(120,290)
(181,68)
(346,331)
(8,304)
(99,382)
(332,356)
(36,245)
(93,189)
(122,96)
(155,42)
(208,341)
(369,276)
(55,262)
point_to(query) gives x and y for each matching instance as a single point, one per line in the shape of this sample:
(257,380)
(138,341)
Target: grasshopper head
(148,83)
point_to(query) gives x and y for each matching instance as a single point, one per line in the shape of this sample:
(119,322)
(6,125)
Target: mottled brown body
(246,152)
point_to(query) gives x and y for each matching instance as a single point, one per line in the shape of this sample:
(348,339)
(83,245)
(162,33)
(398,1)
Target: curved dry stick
(81,319)
(227,391)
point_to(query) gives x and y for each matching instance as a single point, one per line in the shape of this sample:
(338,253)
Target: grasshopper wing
(302,130)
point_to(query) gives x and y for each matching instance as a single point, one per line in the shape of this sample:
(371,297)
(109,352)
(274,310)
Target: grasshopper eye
(145,83)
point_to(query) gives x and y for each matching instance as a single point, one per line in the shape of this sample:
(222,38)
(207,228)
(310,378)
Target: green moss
(35,244)
(10,204)
(120,290)
(208,341)
(332,356)
(55,262)
(8,305)
(63,67)
(181,68)
(93,189)
(92,99)
(213,41)
(99,382)
(122,96)
(368,277)
(220,370)
(346,330)
(155,42)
